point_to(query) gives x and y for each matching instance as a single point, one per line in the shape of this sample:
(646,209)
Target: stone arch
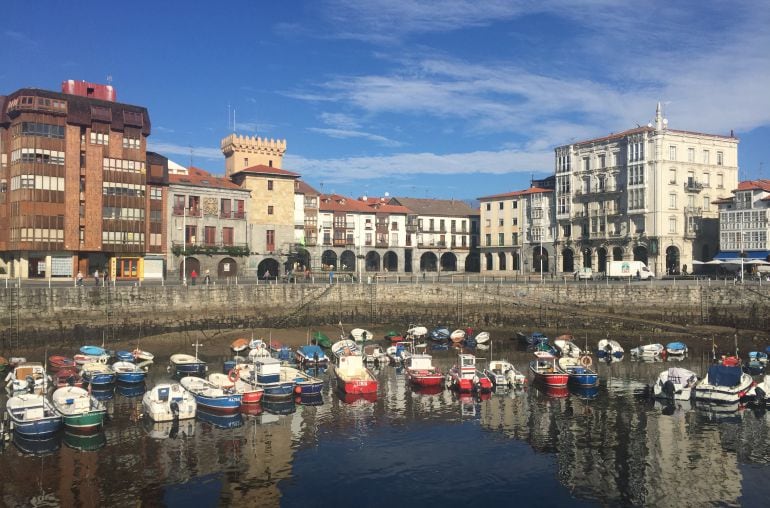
(617,253)
(187,266)
(488,261)
(473,263)
(227,267)
(268,265)
(390,261)
(601,259)
(539,260)
(372,261)
(428,262)
(329,259)
(640,254)
(501,259)
(348,261)
(448,262)
(567,261)
(672,260)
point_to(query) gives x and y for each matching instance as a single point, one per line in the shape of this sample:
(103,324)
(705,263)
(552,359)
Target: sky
(443,99)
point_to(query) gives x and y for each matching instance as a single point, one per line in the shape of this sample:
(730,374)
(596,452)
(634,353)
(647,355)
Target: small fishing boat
(547,371)
(566,348)
(439,334)
(345,347)
(239,345)
(374,353)
(648,351)
(125,356)
(249,394)
(167,402)
(723,384)
(68,377)
(533,339)
(482,337)
(311,355)
(457,336)
(608,348)
(676,348)
(265,373)
(56,362)
(79,409)
(580,371)
(322,339)
(98,374)
(128,372)
(140,355)
(353,377)
(421,372)
(503,374)
(361,335)
(399,352)
(464,377)
(675,383)
(33,415)
(304,383)
(188,365)
(211,397)
(27,377)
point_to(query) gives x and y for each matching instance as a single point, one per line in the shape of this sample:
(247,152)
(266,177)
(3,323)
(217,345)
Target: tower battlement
(245,151)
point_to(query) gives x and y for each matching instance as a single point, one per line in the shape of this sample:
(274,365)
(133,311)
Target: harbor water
(612,447)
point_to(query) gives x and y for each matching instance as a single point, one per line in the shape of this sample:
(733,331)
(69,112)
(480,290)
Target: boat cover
(680,376)
(721,375)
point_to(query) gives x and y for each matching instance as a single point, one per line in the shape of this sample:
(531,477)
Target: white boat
(503,373)
(27,377)
(375,353)
(361,335)
(345,347)
(648,351)
(167,402)
(609,349)
(723,384)
(675,383)
(567,348)
(482,337)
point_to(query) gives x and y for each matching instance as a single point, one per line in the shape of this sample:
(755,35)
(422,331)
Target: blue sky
(452,99)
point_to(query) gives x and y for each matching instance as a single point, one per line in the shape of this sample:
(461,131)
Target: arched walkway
(672,260)
(390,261)
(227,268)
(540,260)
(348,261)
(270,266)
(187,266)
(428,262)
(567,261)
(372,262)
(329,260)
(448,262)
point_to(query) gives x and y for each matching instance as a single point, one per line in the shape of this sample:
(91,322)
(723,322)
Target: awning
(733,255)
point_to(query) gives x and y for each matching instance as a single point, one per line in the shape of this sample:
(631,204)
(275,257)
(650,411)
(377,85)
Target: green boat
(85,442)
(79,409)
(322,340)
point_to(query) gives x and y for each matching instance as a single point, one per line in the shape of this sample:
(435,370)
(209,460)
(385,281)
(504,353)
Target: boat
(33,416)
(648,351)
(142,355)
(503,374)
(188,365)
(723,384)
(399,352)
(239,345)
(421,372)
(566,348)
(321,339)
(304,383)
(56,362)
(68,377)
(758,394)
(675,383)
(27,377)
(79,409)
(465,378)
(345,347)
(579,370)
(374,353)
(533,339)
(353,377)
(439,334)
(98,374)
(249,394)
(547,371)
(457,336)
(125,356)
(128,372)
(210,397)
(93,351)
(482,337)
(608,348)
(167,402)
(265,373)
(311,355)
(360,335)
(676,348)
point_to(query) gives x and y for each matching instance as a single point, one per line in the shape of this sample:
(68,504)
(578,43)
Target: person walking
(193,276)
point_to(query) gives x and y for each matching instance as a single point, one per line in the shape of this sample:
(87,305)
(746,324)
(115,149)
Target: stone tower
(243,152)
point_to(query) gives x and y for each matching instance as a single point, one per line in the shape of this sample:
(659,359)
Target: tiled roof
(200,178)
(762,184)
(261,169)
(435,207)
(525,192)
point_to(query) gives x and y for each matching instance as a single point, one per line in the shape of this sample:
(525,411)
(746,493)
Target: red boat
(547,371)
(465,378)
(57,362)
(68,377)
(353,377)
(421,372)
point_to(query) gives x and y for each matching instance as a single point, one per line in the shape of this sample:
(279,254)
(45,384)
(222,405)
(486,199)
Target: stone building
(642,194)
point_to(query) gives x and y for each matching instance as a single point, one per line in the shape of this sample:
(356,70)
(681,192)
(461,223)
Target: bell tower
(242,152)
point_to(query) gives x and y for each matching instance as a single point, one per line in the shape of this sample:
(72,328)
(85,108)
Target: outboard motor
(669,389)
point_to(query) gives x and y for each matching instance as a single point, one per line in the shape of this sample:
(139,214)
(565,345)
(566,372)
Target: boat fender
(586,361)
(233,375)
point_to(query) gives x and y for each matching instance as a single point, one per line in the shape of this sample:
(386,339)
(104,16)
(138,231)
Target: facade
(744,220)
(73,184)
(207,225)
(643,194)
(439,235)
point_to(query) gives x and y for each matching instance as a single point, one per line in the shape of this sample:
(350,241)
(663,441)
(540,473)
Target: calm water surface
(410,448)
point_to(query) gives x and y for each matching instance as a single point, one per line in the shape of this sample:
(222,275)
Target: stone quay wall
(35,316)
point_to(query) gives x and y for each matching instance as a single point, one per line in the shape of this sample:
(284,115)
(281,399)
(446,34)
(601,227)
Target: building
(73,184)
(439,235)
(642,194)
(744,222)
(207,223)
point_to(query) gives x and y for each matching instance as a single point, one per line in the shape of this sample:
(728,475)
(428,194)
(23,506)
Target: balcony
(692,186)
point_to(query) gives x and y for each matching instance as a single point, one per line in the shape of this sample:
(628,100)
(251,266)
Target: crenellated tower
(242,152)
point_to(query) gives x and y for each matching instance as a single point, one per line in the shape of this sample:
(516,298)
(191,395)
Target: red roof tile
(200,178)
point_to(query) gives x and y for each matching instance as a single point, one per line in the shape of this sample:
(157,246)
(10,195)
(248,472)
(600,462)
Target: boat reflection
(172,430)
(221,421)
(37,447)
(85,442)
(279,407)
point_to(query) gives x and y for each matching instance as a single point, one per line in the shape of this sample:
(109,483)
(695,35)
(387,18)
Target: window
(672,224)
(691,155)
(270,209)
(270,240)
(720,158)
(672,176)
(269,185)
(672,153)
(706,157)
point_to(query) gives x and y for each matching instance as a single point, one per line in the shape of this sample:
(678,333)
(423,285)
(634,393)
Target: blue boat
(265,373)
(98,374)
(305,384)
(33,416)
(580,371)
(311,355)
(93,350)
(221,421)
(124,356)
(676,348)
(128,373)
(211,397)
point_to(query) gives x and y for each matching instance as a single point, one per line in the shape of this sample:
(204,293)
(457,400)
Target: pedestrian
(193,276)
(208,277)
(79,278)
(96,277)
